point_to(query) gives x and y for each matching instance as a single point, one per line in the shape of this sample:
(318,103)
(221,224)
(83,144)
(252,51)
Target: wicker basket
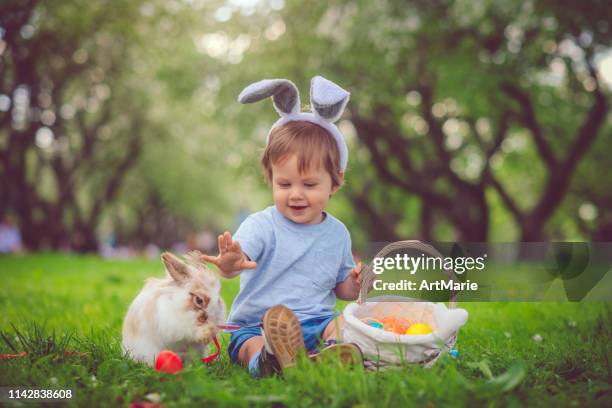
(382,347)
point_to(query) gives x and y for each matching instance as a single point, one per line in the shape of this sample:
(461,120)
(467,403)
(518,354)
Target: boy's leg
(258,361)
(334,329)
(347,353)
(283,335)
(248,350)
(278,345)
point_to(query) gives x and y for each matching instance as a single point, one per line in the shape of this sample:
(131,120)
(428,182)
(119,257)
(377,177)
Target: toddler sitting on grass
(294,258)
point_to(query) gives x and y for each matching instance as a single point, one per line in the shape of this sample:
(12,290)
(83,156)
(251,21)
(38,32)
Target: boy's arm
(349,288)
(231,261)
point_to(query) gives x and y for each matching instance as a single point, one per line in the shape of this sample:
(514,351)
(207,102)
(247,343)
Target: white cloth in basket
(388,347)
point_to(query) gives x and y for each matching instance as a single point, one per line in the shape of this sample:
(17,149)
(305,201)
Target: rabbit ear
(328,99)
(194,259)
(176,268)
(285,95)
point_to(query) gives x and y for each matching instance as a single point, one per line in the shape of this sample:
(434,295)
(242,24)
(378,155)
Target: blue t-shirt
(298,265)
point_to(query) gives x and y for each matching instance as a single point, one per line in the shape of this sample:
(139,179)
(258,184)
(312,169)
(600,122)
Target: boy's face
(301,197)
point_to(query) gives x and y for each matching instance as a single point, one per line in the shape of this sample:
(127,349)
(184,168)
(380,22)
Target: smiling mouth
(298,207)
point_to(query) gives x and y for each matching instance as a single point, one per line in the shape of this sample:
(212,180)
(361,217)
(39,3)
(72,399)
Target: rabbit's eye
(199,301)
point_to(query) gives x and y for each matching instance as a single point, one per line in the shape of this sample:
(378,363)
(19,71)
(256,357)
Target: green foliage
(170,72)
(466,53)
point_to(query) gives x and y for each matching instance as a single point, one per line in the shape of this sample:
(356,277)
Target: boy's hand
(356,276)
(350,287)
(231,258)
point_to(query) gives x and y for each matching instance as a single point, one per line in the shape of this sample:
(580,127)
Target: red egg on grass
(168,362)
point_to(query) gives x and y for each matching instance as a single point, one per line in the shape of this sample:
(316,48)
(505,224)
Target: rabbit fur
(179,312)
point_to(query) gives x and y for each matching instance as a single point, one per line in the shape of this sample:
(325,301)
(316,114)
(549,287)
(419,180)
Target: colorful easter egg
(419,328)
(376,325)
(168,362)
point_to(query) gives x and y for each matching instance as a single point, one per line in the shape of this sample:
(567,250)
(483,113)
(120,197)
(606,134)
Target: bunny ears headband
(327,99)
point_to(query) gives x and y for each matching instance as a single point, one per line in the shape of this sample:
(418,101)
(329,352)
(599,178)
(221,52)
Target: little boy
(294,258)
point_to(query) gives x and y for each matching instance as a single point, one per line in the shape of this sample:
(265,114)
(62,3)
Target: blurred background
(474,120)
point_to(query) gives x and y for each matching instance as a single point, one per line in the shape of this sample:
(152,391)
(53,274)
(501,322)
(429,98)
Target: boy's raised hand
(350,287)
(231,259)
(356,275)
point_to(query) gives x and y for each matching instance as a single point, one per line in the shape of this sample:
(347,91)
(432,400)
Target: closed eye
(310,185)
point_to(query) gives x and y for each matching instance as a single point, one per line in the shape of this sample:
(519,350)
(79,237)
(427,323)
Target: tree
(93,94)
(70,124)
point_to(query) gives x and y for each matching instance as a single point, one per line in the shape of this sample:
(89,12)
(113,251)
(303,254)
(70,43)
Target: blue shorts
(311,328)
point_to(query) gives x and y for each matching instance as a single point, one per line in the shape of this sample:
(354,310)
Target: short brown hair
(309,142)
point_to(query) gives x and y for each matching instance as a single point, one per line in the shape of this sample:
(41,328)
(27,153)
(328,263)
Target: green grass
(50,303)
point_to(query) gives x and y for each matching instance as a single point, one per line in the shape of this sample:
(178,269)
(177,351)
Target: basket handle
(368,274)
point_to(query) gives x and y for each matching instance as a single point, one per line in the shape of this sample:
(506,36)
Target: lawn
(543,354)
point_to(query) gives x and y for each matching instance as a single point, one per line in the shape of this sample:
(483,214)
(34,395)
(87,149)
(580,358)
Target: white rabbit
(179,313)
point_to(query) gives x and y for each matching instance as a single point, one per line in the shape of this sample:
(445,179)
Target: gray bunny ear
(328,99)
(285,95)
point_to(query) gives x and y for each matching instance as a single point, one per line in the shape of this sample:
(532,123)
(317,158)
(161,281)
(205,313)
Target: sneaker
(267,364)
(347,354)
(282,336)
